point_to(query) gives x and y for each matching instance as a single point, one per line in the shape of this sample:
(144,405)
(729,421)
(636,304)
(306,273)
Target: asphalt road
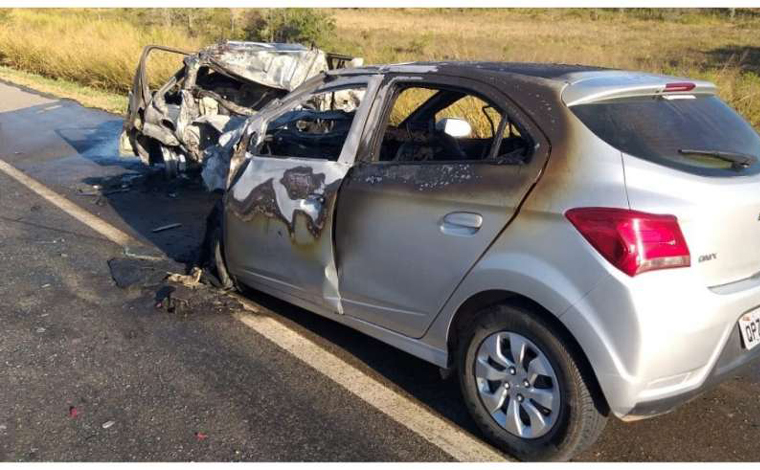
(79,353)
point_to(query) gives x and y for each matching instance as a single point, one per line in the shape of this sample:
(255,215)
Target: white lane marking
(444,435)
(49,108)
(13,98)
(431,427)
(94,222)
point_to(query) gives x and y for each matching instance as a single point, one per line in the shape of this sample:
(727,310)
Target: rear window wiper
(739,161)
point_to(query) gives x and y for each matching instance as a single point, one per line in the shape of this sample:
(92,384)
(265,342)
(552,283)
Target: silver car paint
(648,337)
(377,266)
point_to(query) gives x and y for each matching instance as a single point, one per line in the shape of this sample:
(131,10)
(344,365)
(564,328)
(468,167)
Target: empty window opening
(429,124)
(317,127)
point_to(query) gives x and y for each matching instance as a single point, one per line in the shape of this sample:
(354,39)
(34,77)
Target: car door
(279,212)
(408,231)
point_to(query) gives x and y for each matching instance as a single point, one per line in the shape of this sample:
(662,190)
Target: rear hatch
(688,154)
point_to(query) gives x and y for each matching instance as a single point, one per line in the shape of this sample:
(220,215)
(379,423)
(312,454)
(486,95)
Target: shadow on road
(143,199)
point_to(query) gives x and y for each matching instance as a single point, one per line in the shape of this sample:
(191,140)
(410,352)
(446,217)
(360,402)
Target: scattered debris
(89,189)
(73,412)
(44,286)
(114,191)
(200,436)
(191,280)
(166,227)
(3,427)
(41,330)
(141,272)
(171,291)
(108,424)
(143,252)
(169,300)
(53,241)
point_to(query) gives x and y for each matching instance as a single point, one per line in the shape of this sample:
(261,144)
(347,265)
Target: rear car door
(279,211)
(429,197)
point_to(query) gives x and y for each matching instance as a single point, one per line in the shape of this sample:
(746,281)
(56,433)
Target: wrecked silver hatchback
(181,124)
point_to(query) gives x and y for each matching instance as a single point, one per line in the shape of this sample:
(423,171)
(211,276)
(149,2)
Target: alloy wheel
(517,385)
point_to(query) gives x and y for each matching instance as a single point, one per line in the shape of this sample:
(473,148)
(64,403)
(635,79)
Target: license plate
(749,325)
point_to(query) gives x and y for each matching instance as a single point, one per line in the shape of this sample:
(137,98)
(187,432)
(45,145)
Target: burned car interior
(316,128)
(429,124)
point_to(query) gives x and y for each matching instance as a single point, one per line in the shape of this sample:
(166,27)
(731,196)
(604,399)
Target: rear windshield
(655,129)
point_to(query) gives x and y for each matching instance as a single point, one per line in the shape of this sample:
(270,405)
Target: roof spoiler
(601,86)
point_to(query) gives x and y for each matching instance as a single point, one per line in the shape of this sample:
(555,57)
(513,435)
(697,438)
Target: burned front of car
(195,115)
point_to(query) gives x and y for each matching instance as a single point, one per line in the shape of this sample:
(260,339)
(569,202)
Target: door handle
(461,223)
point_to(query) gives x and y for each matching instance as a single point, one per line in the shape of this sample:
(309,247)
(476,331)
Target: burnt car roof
(547,71)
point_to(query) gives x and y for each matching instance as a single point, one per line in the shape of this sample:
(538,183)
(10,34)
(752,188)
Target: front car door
(430,196)
(279,211)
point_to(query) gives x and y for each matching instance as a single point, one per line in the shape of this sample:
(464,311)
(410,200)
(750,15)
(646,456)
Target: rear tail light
(632,241)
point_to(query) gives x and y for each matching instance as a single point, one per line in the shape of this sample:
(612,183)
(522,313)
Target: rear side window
(659,130)
(442,124)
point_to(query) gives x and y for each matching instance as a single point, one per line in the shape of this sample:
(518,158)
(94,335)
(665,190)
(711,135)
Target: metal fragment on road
(166,227)
(117,190)
(108,424)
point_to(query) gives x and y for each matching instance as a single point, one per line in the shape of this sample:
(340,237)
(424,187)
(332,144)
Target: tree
(303,25)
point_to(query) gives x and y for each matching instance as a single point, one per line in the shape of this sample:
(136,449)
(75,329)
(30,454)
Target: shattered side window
(315,128)
(430,124)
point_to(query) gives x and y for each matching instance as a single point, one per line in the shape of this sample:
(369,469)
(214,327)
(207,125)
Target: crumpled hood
(276,65)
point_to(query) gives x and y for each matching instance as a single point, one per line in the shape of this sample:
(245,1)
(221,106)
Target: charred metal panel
(275,188)
(278,228)
(283,66)
(279,211)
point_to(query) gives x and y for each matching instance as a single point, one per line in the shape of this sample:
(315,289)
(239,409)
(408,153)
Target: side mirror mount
(455,127)
(253,140)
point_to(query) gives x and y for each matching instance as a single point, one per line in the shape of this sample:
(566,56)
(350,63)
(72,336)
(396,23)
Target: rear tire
(576,412)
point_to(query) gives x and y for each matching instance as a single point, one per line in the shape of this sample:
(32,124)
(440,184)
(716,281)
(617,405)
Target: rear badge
(709,257)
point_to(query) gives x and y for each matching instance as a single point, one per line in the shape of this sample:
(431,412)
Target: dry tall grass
(101,48)
(78,47)
(694,44)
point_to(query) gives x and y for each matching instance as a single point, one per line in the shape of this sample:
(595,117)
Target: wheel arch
(477,303)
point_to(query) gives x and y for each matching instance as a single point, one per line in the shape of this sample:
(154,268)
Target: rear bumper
(733,360)
(659,339)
